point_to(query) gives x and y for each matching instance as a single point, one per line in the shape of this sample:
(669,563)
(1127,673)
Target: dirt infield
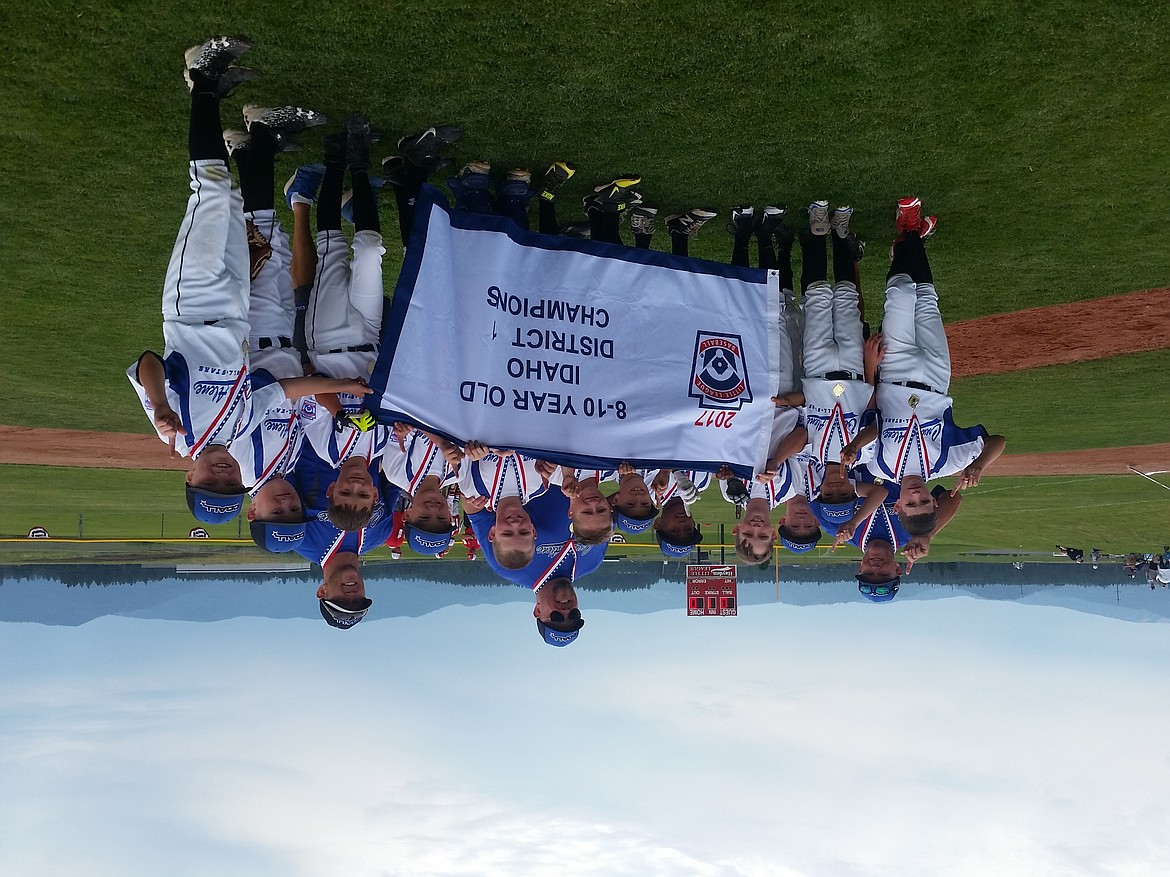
(1131,323)
(116,450)
(999,343)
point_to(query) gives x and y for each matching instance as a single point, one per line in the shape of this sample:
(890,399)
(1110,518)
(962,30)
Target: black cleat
(360,135)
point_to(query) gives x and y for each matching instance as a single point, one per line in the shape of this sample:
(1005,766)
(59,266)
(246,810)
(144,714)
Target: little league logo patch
(719,373)
(309,410)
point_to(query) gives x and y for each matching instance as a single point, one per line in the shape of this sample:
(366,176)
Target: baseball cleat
(302,186)
(395,554)
(360,135)
(475,174)
(284,123)
(235,140)
(212,58)
(909,214)
(770,220)
(839,221)
(643,220)
(226,83)
(394,168)
(690,222)
(425,149)
(618,194)
(818,218)
(376,184)
(519,175)
(516,183)
(743,220)
(558,173)
(927,227)
(333,149)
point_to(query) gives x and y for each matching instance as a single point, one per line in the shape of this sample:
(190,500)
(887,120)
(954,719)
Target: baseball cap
(339,616)
(878,590)
(798,546)
(214,508)
(670,548)
(428,543)
(277,536)
(633,526)
(832,514)
(559,638)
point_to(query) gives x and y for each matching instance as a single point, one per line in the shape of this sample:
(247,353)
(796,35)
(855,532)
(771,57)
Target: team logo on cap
(718,373)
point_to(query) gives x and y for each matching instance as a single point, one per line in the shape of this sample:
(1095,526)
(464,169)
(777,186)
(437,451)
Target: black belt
(265,343)
(843,376)
(360,348)
(916,385)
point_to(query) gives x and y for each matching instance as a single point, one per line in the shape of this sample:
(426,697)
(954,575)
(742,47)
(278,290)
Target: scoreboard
(711,589)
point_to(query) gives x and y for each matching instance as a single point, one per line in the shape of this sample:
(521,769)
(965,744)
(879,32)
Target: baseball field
(1035,132)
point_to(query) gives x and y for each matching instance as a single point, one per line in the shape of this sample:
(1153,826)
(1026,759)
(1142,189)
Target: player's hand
(724,472)
(969,478)
(570,487)
(625,469)
(451,454)
(844,534)
(473,504)
(917,548)
(353,386)
(784,400)
(848,458)
(766,476)
(168,423)
(545,468)
(476,451)
(875,352)
(402,431)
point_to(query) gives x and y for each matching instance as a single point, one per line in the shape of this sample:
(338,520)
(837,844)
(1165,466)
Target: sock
(739,251)
(546,217)
(843,264)
(767,249)
(205,132)
(257,166)
(910,258)
(365,205)
(814,260)
(329,198)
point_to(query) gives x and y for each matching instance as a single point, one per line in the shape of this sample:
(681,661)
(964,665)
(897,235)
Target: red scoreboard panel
(711,589)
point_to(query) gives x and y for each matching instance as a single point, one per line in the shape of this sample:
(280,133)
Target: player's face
(675,523)
(513,530)
(343,584)
(914,497)
(632,497)
(276,501)
(878,560)
(799,519)
(354,487)
(429,511)
(834,488)
(754,530)
(557,596)
(590,510)
(216,470)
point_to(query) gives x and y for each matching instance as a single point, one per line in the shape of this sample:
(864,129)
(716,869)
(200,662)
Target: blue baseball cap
(428,543)
(798,547)
(878,590)
(633,526)
(214,508)
(558,638)
(673,549)
(277,536)
(339,616)
(832,514)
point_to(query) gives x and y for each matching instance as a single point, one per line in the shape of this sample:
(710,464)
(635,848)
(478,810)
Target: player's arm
(791,444)
(447,448)
(874,495)
(152,375)
(295,388)
(866,437)
(992,448)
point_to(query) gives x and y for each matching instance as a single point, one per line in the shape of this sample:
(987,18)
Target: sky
(942,736)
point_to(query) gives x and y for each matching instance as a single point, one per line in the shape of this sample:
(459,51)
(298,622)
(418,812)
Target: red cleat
(927,227)
(909,215)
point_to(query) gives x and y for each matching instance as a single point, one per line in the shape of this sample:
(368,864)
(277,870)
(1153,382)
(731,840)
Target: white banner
(581,352)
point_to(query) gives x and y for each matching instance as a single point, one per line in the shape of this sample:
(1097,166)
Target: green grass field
(1035,132)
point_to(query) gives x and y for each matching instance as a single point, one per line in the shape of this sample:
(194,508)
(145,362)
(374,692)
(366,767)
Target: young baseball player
(675,530)
(590,513)
(424,466)
(343,320)
(556,563)
(199,394)
(916,437)
(507,481)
